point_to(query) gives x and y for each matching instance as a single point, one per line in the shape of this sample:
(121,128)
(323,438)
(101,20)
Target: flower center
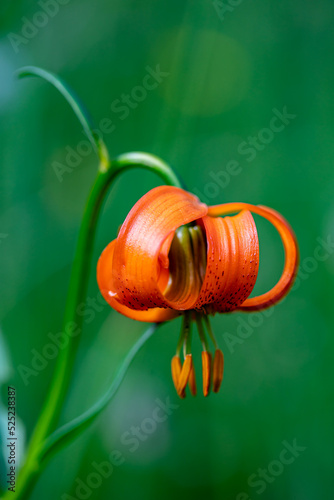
(187,263)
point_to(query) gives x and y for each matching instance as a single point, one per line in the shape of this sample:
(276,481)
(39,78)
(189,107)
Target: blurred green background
(227,66)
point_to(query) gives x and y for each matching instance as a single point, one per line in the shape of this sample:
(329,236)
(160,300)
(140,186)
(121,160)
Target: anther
(184,375)
(192,381)
(218,369)
(206,370)
(176,371)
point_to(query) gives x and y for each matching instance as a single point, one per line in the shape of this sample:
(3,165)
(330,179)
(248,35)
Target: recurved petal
(290,249)
(141,250)
(107,289)
(232,262)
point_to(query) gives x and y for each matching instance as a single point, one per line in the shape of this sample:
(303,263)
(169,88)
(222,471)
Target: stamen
(186,326)
(208,326)
(206,356)
(183,333)
(184,375)
(176,371)
(181,374)
(218,369)
(206,369)
(201,332)
(192,381)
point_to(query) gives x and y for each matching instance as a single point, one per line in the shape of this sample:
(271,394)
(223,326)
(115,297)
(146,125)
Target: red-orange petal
(105,282)
(232,262)
(290,249)
(136,266)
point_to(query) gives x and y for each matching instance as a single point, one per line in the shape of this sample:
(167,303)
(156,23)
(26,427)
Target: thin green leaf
(72,429)
(75,103)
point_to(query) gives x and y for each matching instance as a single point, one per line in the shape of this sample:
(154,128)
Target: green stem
(149,162)
(76,105)
(76,295)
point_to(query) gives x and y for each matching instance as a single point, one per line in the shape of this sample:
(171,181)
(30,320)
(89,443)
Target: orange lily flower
(175,255)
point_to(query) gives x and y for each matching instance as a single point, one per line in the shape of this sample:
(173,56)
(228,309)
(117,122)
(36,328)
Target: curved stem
(76,294)
(148,162)
(76,105)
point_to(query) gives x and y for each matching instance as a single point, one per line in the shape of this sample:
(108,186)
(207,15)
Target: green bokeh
(226,75)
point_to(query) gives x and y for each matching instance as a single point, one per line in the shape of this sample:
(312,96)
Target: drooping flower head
(175,255)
